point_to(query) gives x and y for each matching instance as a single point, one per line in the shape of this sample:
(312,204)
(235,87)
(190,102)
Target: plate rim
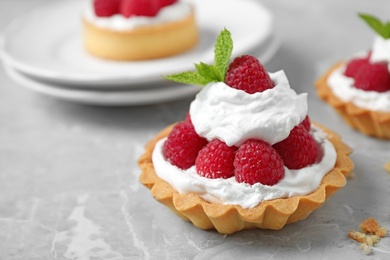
(29,83)
(101,97)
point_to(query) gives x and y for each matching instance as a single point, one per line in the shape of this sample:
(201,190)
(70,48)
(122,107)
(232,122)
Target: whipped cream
(229,191)
(234,116)
(118,22)
(380,50)
(343,87)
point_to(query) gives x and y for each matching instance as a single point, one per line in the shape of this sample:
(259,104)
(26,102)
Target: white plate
(153,94)
(46,43)
(105,98)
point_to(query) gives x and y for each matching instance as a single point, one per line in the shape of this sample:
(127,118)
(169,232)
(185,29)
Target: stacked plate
(43,51)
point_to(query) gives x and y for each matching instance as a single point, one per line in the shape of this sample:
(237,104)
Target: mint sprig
(206,73)
(381,28)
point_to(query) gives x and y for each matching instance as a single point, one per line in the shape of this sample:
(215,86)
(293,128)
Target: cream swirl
(380,50)
(234,116)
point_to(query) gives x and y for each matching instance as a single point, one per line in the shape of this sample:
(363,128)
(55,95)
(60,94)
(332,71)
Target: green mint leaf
(189,77)
(208,72)
(222,51)
(380,28)
(387,26)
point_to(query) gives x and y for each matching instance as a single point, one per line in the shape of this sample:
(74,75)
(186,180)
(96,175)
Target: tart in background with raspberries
(359,87)
(139,29)
(246,155)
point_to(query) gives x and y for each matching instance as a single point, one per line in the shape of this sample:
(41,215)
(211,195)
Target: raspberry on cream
(118,22)
(229,191)
(343,87)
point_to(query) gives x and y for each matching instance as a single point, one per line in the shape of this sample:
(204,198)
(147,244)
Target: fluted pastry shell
(227,219)
(142,43)
(369,122)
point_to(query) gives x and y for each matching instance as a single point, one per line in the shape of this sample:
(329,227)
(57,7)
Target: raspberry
(248,74)
(106,8)
(306,123)
(256,161)
(163,3)
(299,149)
(368,76)
(182,145)
(215,160)
(139,8)
(355,66)
(373,77)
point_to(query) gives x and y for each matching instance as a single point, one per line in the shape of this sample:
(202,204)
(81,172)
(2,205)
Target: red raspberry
(299,149)
(248,74)
(256,161)
(106,8)
(306,123)
(373,77)
(215,160)
(139,8)
(163,3)
(368,76)
(355,66)
(182,146)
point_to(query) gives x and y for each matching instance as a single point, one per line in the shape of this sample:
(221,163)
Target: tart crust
(227,219)
(142,43)
(372,123)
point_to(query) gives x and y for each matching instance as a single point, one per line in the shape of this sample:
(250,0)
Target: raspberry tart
(139,29)
(359,87)
(246,155)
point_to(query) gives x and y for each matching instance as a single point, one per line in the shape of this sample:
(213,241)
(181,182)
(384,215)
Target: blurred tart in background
(139,29)
(358,88)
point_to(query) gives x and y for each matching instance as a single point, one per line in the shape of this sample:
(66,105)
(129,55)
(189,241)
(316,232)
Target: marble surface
(69,179)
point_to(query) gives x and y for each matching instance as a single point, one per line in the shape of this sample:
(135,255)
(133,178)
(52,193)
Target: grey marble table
(69,179)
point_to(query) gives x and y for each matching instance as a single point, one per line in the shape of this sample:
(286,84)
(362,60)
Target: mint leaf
(189,77)
(222,51)
(383,29)
(208,72)
(387,26)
